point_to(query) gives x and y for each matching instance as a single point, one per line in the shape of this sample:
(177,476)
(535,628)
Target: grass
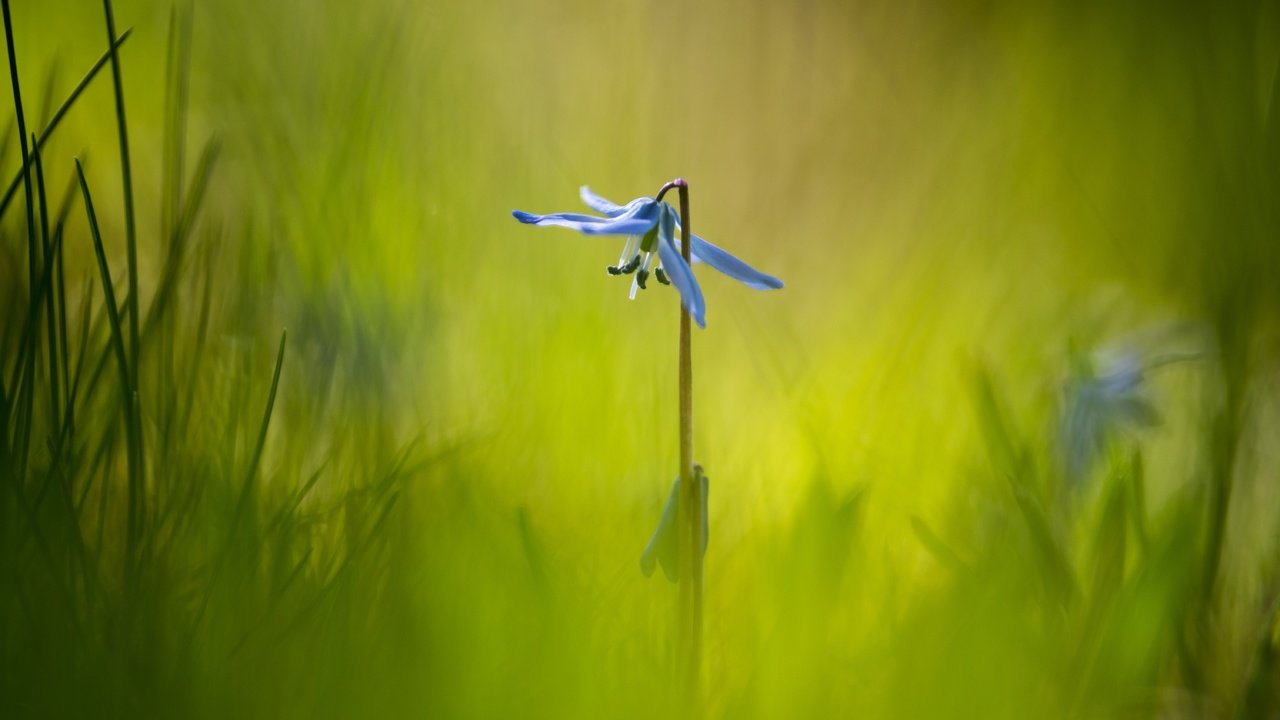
(937,492)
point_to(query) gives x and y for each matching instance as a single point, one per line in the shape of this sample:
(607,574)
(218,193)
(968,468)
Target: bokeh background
(1004,446)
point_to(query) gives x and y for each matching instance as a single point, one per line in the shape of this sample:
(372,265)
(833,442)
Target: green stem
(690,486)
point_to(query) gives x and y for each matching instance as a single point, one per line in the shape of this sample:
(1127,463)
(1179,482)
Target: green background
(966,200)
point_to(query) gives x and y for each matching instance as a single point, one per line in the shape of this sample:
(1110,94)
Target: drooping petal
(599,204)
(589,224)
(732,266)
(680,274)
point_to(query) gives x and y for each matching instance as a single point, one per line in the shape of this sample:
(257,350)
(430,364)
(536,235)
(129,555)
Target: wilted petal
(599,204)
(732,266)
(678,272)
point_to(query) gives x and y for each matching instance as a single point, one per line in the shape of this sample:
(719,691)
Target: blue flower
(650,226)
(1105,396)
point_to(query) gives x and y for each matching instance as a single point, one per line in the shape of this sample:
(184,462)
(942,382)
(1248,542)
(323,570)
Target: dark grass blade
(61,112)
(60,278)
(51,315)
(24,367)
(126,180)
(129,395)
(252,471)
(170,274)
(26,392)
(108,288)
(74,384)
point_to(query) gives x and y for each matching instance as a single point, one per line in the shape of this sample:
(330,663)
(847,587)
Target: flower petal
(588,224)
(732,266)
(599,204)
(678,271)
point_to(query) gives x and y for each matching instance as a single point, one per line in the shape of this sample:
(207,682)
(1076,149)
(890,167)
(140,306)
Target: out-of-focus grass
(474,430)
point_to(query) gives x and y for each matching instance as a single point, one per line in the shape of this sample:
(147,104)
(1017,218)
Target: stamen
(662,276)
(634,287)
(631,266)
(627,251)
(643,274)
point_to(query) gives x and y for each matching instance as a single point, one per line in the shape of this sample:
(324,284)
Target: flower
(1105,396)
(650,226)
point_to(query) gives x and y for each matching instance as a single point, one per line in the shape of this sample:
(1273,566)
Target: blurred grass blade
(175,250)
(1054,565)
(1007,455)
(177,88)
(935,545)
(252,471)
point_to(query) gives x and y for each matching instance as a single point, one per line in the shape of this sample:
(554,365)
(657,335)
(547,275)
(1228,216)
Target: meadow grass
(956,472)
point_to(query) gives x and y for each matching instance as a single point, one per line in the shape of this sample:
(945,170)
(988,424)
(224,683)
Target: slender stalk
(691,493)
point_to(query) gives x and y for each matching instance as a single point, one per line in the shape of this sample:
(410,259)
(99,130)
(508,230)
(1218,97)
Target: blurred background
(1004,445)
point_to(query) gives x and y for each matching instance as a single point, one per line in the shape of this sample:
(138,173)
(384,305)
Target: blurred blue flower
(1104,396)
(650,226)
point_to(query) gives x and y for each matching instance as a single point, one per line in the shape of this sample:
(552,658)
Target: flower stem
(691,495)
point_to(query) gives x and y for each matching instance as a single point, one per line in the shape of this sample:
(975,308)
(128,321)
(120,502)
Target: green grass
(432,500)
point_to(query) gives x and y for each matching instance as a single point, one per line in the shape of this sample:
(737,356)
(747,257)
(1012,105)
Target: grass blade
(126,180)
(245,492)
(128,394)
(256,458)
(26,392)
(51,315)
